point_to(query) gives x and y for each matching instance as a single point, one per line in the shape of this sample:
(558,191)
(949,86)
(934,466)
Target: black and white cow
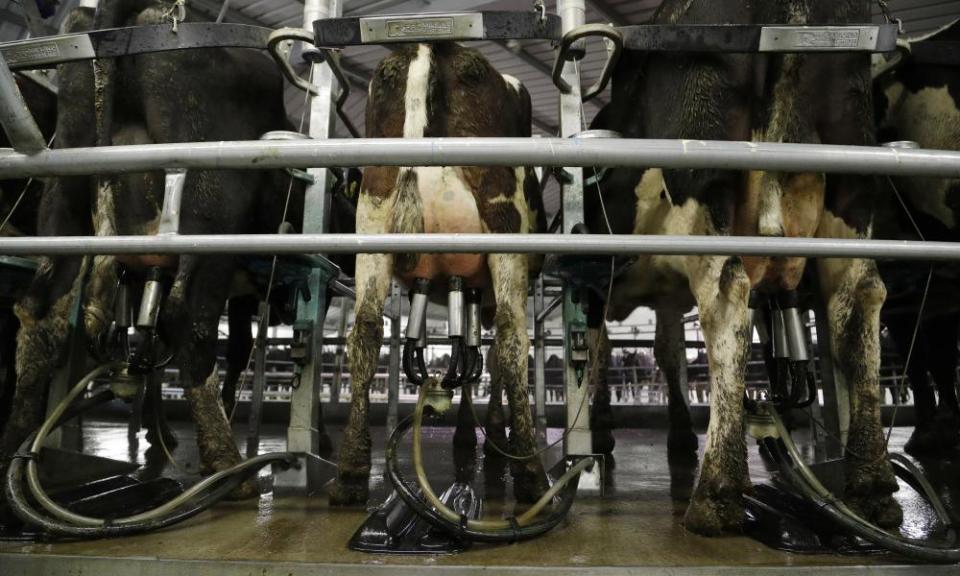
(920,101)
(445,90)
(215,94)
(788,98)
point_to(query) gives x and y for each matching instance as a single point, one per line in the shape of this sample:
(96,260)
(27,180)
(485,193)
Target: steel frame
(568,151)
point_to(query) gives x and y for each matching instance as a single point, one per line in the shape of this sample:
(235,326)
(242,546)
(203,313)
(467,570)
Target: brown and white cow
(788,98)
(438,90)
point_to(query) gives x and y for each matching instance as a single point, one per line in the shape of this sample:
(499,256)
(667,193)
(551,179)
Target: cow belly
(448,206)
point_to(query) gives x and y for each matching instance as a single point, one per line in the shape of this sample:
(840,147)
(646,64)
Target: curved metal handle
(274,40)
(331,57)
(579,33)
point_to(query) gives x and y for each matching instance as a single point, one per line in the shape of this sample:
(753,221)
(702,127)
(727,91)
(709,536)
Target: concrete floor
(634,528)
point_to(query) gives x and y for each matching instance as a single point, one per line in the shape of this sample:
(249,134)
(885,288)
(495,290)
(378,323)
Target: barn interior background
(636,382)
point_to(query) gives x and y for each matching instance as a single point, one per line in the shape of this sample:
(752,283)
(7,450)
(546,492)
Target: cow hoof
(716,507)
(603,441)
(884,511)
(681,442)
(713,515)
(249,489)
(529,482)
(344,493)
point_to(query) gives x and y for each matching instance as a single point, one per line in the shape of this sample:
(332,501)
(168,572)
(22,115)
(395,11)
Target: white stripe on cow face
(415,99)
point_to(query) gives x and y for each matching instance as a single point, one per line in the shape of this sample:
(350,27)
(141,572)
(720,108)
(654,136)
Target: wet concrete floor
(636,523)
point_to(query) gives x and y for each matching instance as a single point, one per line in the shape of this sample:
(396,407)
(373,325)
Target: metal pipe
(549,308)
(15,117)
(582,244)
(570,152)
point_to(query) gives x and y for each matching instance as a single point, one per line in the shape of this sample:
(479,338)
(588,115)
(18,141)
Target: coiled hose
(523,527)
(806,482)
(66,523)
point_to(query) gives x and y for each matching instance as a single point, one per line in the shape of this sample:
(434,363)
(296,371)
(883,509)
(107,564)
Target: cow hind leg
(373,275)
(192,314)
(495,427)
(942,331)
(721,288)
(669,348)
(854,295)
(509,275)
(601,414)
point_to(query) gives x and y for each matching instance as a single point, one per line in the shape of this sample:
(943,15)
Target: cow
(213,94)
(919,101)
(445,89)
(801,98)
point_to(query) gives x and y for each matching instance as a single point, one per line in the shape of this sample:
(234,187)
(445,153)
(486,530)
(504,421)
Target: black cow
(920,101)
(435,90)
(782,98)
(215,94)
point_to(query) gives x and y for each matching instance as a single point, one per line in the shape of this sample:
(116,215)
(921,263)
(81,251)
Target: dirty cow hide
(445,90)
(782,98)
(19,202)
(919,101)
(215,94)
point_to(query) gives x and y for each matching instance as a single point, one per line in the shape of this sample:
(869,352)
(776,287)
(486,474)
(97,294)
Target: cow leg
(155,417)
(373,275)
(240,310)
(721,288)
(854,295)
(509,275)
(922,440)
(191,316)
(495,426)
(943,350)
(465,439)
(601,414)
(669,349)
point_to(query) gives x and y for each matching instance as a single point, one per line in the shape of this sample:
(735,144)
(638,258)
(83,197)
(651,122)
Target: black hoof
(603,441)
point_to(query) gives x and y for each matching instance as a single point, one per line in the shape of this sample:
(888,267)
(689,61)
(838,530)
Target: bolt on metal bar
(15,117)
(568,152)
(579,244)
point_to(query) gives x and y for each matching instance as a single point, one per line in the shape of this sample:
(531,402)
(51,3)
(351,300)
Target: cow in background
(438,90)
(919,101)
(774,98)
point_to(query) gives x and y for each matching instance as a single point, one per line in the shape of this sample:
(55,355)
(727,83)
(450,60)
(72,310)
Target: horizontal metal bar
(579,244)
(483,152)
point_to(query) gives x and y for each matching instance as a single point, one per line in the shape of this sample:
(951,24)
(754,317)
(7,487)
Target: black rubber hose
(22,508)
(100,396)
(907,547)
(452,378)
(407,360)
(461,531)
